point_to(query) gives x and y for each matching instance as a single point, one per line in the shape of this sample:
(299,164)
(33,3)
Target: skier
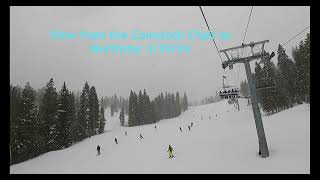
(155,126)
(189,127)
(170,150)
(98,149)
(126,133)
(180,129)
(116,140)
(141,136)
(191,124)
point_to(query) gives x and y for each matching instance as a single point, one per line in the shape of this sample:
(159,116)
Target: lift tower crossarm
(245,45)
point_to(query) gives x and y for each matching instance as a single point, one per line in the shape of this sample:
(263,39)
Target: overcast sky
(35,57)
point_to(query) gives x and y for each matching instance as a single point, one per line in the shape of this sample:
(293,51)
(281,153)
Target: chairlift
(265,83)
(228,92)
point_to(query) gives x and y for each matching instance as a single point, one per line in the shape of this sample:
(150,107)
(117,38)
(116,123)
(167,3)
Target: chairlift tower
(256,51)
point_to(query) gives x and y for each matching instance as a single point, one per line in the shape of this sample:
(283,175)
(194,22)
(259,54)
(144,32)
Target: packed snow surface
(222,140)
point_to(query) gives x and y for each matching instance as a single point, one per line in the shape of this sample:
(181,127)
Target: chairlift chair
(265,83)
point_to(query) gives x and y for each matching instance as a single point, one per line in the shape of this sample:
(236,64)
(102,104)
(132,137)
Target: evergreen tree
(72,117)
(288,70)
(48,116)
(121,117)
(93,112)
(28,119)
(162,106)
(172,105)
(64,121)
(136,106)
(102,120)
(140,117)
(146,108)
(301,57)
(133,110)
(131,118)
(157,109)
(83,115)
(152,112)
(178,106)
(268,100)
(166,109)
(15,123)
(115,103)
(184,102)
(102,102)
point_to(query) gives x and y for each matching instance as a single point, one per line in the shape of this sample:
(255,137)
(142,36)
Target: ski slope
(226,143)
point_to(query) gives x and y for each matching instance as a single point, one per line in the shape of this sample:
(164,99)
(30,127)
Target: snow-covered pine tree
(178,106)
(28,119)
(301,57)
(64,121)
(93,112)
(156,108)
(115,103)
(136,108)
(166,106)
(102,120)
(146,108)
(172,105)
(126,107)
(121,117)
(270,95)
(48,116)
(184,102)
(288,70)
(140,117)
(72,118)
(15,124)
(152,114)
(131,110)
(161,100)
(83,114)
(282,100)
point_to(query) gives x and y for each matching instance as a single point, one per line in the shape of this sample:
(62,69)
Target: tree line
(115,103)
(48,120)
(142,110)
(209,100)
(291,78)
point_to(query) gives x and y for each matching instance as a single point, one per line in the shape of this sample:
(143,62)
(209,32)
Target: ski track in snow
(224,144)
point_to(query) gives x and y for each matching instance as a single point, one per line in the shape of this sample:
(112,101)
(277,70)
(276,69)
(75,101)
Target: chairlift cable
(204,17)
